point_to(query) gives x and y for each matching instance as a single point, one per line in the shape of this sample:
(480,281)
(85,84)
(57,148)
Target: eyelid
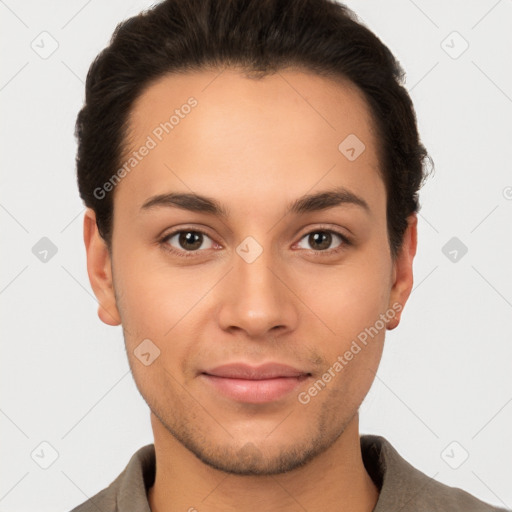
(326,227)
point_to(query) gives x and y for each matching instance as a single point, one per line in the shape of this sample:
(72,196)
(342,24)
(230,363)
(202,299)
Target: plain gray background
(444,388)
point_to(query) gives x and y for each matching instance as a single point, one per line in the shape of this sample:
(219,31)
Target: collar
(401,486)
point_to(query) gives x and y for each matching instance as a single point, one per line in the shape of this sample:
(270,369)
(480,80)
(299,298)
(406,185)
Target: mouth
(257,385)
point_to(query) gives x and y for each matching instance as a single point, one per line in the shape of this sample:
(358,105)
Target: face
(254,272)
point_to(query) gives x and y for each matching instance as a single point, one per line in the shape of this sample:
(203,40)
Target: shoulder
(129,490)
(105,501)
(405,488)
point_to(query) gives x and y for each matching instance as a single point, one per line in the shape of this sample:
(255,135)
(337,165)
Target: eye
(187,241)
(320,240)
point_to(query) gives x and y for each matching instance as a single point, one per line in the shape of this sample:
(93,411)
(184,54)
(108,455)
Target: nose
(255,299)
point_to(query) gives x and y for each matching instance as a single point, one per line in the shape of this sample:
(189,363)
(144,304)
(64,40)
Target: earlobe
(403,272)
(99,269)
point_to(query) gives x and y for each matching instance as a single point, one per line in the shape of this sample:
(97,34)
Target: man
(251,171)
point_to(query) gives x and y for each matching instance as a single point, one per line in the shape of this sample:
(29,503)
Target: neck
(336,480)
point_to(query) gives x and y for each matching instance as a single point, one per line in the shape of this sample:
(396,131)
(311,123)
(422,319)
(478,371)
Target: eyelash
(190,254)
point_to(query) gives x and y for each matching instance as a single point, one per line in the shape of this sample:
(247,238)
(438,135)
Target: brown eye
(321,240)
(187,240)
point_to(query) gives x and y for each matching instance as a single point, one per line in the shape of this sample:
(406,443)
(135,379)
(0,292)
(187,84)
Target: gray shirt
(401,486)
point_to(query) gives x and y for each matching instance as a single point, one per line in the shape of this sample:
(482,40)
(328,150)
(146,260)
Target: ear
(99,268)
(402,276)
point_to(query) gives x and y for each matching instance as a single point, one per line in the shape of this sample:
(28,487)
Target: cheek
(347,298)
(161,303)
(150,292)
(352,347)
(350,301)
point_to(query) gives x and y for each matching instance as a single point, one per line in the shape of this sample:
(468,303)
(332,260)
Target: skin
(254,146)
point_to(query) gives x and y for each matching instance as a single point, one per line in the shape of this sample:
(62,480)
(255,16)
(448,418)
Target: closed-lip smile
(254,384)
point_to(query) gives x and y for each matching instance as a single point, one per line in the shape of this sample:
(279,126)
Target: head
(290,121)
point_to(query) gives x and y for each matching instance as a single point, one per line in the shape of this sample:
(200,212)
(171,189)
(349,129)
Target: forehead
(275,137)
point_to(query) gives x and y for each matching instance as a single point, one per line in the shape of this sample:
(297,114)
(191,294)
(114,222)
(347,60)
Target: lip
(246,371)
(254,384)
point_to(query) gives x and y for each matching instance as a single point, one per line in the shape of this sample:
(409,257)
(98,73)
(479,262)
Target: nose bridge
(258,299)
(254,271)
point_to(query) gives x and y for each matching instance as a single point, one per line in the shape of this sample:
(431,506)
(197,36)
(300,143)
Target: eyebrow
(305,204)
